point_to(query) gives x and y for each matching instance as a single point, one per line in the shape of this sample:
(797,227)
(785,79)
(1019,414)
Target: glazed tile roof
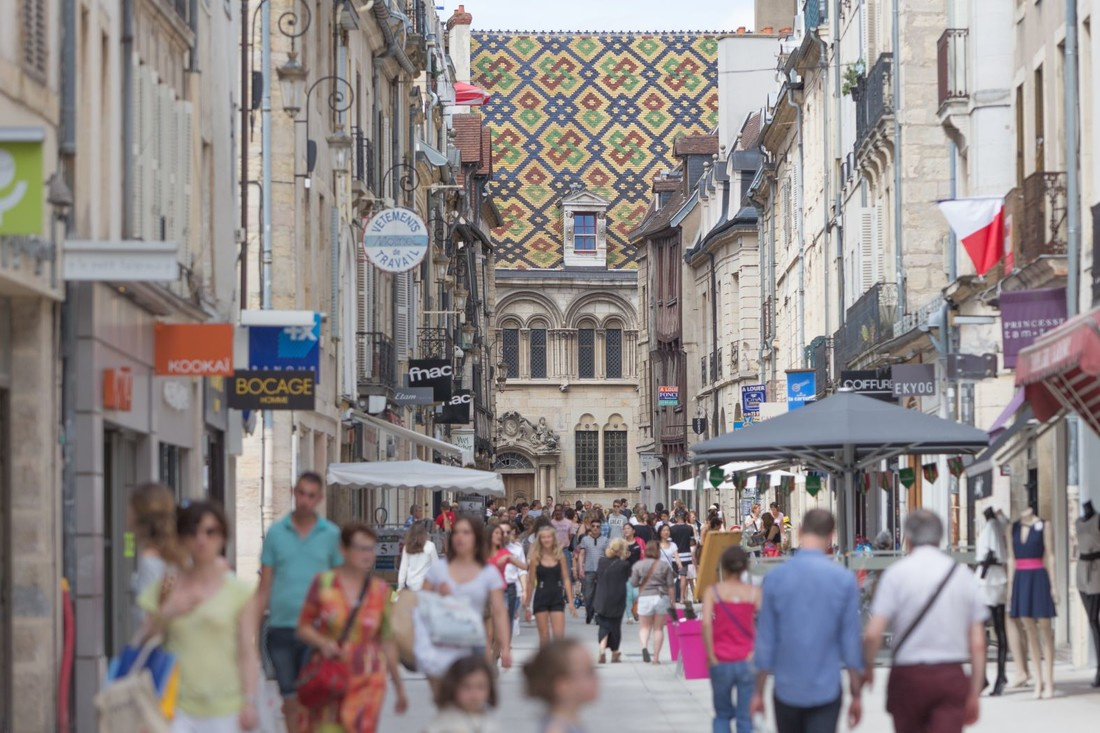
(601,109)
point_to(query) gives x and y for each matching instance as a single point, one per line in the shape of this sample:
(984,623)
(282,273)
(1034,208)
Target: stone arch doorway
(518,473)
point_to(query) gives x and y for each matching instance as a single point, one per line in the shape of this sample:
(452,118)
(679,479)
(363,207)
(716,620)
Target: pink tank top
(734,630)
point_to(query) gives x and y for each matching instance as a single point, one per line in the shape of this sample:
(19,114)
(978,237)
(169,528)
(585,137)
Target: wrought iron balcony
(815,12)
(735,360)
(716,365)
(434,343)
(951,64)
(364,159)
(768,326)
(1044,217)
(874,97)
(869,322)
(377,360)
(704,373)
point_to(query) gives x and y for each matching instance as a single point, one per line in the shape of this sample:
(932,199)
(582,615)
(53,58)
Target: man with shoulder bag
(936,613)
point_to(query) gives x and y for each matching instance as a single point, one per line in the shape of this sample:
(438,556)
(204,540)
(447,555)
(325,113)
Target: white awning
(425,440)
(415,475)
(687,484)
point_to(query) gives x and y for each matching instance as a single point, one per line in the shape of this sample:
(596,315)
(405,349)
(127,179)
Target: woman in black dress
(550,591)
(612,575)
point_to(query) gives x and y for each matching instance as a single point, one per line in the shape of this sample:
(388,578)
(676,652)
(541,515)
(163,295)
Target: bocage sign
(252,389)
(395,240)
(456,411)
(435,373)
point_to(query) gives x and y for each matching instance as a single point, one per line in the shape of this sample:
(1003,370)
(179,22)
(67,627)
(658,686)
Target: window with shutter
(867,250)
(401,316)
(138,193)
(362,305)
(167,135)
(36,49)
(148,149)
(414,304)
(184,180)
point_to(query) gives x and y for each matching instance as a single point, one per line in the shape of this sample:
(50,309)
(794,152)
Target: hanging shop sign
(215,407)
(395,240)
(118,389)
(981,485)
(286,348)
(913,380)
(464,440)
(435,373)
(21,181)
(121,261)
(668,396)
(265,389)
(870,382)
(1028,314)
(193,349)
(414,396)
(801,387)
(456,410)
(699,425)
(752,395)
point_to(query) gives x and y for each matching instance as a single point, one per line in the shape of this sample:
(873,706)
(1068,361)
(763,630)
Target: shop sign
(118,389)
(193,349)
(395,240)
(435,373)
(456,411)
(914,380)
(699,425)
(21,182)
(413,396)
(981,485)
(801,388)
(752,395)
(257,389)
(294,348)
(668,396)
(121,261)
(1028,314)
(215,408)
(463,439)
(870,382)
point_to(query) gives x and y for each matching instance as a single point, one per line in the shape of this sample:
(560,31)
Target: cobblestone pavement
(640,698)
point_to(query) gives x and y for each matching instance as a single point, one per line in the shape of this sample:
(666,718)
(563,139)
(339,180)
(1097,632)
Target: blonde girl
(550,591)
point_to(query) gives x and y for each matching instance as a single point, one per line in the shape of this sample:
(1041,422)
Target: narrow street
(640,698)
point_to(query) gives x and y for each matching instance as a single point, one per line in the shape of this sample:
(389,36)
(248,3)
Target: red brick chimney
(460,17)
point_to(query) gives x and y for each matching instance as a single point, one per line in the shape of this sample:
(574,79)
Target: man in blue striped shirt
(808,631)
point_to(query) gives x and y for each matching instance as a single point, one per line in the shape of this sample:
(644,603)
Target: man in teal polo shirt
(296,548)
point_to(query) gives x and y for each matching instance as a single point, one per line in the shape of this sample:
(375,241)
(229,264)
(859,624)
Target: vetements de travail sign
(395,240)
(21,180)
(251,389)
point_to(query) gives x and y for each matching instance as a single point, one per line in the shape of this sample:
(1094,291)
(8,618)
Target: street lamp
(460,295)
(292,83)
(339,146)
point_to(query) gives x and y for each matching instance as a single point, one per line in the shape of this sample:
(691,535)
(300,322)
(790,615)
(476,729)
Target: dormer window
(584,232)
(584,228)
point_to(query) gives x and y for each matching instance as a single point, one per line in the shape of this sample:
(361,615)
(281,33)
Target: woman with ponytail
(153,522)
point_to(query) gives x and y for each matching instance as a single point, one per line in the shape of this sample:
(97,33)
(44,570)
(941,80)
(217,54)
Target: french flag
(979,223)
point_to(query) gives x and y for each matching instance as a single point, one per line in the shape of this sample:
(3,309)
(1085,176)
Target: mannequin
(1088,574)
(1031,565)
(992,556)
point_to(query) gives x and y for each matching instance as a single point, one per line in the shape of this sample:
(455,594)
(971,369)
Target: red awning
(1062,370)
(467,95)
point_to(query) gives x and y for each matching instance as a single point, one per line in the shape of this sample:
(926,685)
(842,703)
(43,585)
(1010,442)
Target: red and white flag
(979,223)
(467,95)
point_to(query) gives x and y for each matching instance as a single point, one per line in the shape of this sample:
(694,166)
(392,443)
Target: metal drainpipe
(826,174)
(899,260)
(1073,203)
(801,229)
(246,103)
(67,141)
(714,329)
(267,439)
(838,217)
(193,10)
(771,274)
(127,65)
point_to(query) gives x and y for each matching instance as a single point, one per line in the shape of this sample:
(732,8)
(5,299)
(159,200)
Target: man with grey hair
(934,608)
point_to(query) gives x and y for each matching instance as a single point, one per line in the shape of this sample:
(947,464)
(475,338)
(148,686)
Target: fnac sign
(193,350)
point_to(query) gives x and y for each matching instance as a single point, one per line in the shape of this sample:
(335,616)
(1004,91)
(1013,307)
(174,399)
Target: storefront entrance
(120,456)
(6,668)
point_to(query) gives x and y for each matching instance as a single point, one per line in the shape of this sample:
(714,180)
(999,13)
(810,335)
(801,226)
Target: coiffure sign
(193,349)
(875,383)
(252,389)
(435,373)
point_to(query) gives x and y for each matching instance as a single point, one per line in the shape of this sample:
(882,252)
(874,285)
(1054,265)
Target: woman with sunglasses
(208,618)
(368,647)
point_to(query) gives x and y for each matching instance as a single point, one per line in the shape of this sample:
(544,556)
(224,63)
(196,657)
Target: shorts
(288,656)
(652,606)
(184,723)
(548,602)
(692,573)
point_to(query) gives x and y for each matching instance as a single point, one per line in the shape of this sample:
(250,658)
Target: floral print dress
(327,607)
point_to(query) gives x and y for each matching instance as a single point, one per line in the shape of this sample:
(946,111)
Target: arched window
(586,350)
(613,350)
(615,474)
(509,339)
(538,350)
(512,461)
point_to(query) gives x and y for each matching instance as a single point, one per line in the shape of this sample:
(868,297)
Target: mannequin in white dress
(992,556)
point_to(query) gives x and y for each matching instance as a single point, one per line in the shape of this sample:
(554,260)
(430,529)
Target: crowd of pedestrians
(322,604)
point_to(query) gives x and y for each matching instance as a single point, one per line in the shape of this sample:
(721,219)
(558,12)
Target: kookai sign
(435,373)
(252,389)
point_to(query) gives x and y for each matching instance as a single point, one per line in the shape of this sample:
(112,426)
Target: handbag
(451,621)
(130,702)
(323,681)
(403,628)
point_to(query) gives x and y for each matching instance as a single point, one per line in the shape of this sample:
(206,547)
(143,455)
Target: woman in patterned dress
(369,650)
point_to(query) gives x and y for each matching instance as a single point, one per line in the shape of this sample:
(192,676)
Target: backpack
(771,549)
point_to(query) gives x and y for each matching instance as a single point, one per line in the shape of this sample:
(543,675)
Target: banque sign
(396,240)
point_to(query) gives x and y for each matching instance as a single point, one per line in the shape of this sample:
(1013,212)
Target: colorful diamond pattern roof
(601,109)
